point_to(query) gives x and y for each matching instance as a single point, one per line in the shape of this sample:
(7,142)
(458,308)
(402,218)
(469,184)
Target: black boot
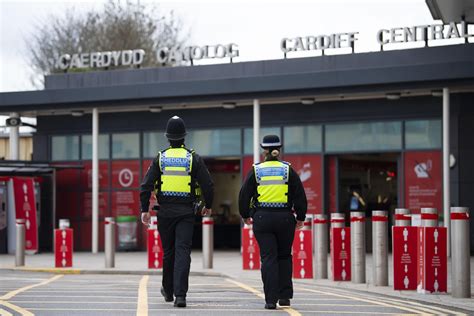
(270,306)
(180,301)
(284,302)
(168,297)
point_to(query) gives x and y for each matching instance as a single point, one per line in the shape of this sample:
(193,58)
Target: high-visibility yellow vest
(272,183)
(175,166)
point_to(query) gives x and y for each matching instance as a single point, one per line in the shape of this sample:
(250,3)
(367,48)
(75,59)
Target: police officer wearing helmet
(270,193)
(175,175)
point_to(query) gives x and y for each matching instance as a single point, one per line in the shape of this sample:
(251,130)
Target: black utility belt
(273,209)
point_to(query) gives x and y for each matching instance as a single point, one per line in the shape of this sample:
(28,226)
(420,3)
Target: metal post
(14,139)
(460,259)
(380,247)
(95,180)
(358,247)
(207,242)
(20,243)
(256,131)
(109,242)
(402,217)
(429,217)
(446,188)
(320,233)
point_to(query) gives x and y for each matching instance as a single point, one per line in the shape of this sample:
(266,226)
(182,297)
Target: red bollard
(303,252)
(404,250)
(250,249)
(63,245)
(154,247)
(432,260)
(340,248)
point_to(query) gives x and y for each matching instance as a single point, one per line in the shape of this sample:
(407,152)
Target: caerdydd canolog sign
(135,57)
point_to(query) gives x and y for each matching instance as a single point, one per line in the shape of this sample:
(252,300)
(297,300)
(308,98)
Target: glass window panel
(125,145)
(216,142)
(248,137)
(65,148)
(424,134)
(154,142)
(87,147)
(300,139)
(364,136)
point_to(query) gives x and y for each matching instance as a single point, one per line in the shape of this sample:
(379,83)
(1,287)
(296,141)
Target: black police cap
(270,141)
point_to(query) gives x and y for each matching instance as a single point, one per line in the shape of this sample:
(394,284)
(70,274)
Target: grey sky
(256,26)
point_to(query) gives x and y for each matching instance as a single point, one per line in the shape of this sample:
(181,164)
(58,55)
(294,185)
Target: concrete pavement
(228,264)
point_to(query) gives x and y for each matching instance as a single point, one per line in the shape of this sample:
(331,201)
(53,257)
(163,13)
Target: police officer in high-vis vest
(176,175)
(269,195)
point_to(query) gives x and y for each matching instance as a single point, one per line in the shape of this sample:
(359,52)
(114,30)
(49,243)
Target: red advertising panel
(25,208)
(125,174)
(341,254)
(332,183)
(86,175)
(125,203)
(423,180)
(87,204)
(68,178)
(302,254)
(247,162)
(404,257)
(432,260)
(63,248)
(309,169)
(250,249)
(155,250)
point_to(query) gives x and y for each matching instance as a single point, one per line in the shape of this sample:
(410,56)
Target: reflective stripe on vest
(272,183)
(175,167)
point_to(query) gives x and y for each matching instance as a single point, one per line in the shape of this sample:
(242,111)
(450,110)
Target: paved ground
(131,267)
(27,293)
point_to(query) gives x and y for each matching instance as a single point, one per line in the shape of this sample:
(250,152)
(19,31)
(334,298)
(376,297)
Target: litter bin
(127,232)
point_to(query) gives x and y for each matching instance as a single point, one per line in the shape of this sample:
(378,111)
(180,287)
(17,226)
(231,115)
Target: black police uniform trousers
(176,237)
(275,231)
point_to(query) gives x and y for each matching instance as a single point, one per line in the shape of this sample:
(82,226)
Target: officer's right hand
(206,211)
(248,221)
(299,224)
(146,218)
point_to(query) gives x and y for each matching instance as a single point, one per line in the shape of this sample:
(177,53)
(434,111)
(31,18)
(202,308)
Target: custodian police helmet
(175,129)
(270,141)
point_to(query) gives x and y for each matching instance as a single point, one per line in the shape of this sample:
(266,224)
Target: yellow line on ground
(51,270)
(26,288)
(371,300)
(17,309)
(289,310)
(5,313)
(142,304)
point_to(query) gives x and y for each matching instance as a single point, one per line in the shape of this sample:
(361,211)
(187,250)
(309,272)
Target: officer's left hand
(299,224)
(146,218)
(206,211)
(248,221)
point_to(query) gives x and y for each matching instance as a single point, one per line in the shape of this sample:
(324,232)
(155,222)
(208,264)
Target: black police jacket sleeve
(297,195)
(246,192)
(148,184)
(201,174)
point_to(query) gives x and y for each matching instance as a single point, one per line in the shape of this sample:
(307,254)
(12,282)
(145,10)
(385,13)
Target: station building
(364,131)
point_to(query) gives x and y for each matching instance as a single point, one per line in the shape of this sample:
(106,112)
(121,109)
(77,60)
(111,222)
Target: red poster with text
(250,249)
(303,254)
(125,174)
(332,183)
(404,247)
(63,248)
(247,163)
(25,208)
(86,175)
(154,249)
(341,254)
(432,260)
(423,180)
(309,168)
(87,204)
(125,203)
